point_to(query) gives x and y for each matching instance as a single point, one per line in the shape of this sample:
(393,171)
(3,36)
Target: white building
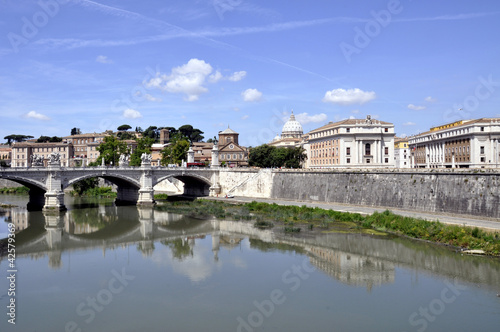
(352,143)
(464,143)
(291,134)
(401,153)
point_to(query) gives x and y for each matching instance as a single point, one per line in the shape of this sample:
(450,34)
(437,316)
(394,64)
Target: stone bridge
(134,184)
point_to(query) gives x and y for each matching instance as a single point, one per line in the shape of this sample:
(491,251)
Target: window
(367,161)
(386,160)
(482,128)
(386,130)
(482,159)
(386,150)
(348,160)
(348,151)
(234,156)
(367,149)
(482,149)
(348,130)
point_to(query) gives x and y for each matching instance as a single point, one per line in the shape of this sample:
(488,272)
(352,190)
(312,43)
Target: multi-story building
(464,143)
(352,143)
(230,151)
(22,152)
(5,154)
(401,152)
(85,146)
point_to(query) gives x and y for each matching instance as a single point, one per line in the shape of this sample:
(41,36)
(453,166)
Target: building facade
(352,143)
(464,144)
(291,134)
(401,153)
(85,147)
(22,152)
(230,152)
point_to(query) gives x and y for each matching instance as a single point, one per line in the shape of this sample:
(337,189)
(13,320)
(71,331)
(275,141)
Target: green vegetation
(143,146)
(175,153)
(45,139)
(15,190)
(161,197)
(111,149)
(271,156)
(291,218)
(17,138)
(90,188)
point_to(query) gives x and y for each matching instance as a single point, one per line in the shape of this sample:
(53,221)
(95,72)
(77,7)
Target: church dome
(292,128)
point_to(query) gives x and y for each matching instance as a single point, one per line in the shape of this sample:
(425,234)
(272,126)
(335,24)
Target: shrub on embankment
(14,190)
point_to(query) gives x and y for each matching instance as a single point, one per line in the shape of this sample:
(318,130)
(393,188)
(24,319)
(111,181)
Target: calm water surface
(98,267)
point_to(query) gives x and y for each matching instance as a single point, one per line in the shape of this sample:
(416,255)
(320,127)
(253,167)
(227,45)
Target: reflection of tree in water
(93,217)
(180,248)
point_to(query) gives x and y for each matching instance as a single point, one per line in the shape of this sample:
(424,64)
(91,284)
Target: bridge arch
(117,179)
(194,184)
(36,193)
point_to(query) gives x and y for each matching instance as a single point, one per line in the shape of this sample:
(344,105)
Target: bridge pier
(146,192)
(54,197)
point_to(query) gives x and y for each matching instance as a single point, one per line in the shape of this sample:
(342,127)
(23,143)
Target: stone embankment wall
(249,183)
(9,184)
(473,192)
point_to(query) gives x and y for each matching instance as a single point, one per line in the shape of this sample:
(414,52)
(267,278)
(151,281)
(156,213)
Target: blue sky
(213,63)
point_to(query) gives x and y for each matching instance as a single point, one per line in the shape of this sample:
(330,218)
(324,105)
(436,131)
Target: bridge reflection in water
(353,259)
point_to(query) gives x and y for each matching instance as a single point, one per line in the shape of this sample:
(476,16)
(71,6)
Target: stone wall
(473,193)
(250,183)
(9,184)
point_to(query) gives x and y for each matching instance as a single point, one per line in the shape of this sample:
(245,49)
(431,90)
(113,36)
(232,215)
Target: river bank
(294,219)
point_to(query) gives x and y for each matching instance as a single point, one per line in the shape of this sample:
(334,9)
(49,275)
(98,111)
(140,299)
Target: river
(98,267)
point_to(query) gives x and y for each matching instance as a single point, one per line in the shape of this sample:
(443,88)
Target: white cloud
(36,115)
(103,59)
(244,117)
(409,123)
(430,99)
(147,96)
(348,97)
(305,118)
(355,111)
(236,109)
(131,114)
(251,95)
(189,79)
(352,117)
(416,108)
(237,76)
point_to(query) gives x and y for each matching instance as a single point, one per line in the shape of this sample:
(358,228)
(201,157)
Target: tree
(45,139)
(111,149)
(174,153)
(192,134)
(124,135)
(124,127)
(17,138)
(143,146)
(212,140)
(270,156)
(82,186)
(138,130)
(151,132)
(75,131)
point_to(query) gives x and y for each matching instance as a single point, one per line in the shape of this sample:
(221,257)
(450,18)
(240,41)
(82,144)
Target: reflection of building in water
(17,216)
(352,269)
(230,241)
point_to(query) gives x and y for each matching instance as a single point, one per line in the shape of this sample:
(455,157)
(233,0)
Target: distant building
(85,147)
(5,154)
(352,143)
(291,134)
(22,152)
(464,143)
(202,152)
(230,151)
(401,152)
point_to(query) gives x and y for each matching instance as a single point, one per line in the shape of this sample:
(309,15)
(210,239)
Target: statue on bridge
(146,158)
(36,160)
(55,158)
(124,160)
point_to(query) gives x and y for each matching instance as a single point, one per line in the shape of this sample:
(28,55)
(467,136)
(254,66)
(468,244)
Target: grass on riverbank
(101,192)
(15,190)
(292,217)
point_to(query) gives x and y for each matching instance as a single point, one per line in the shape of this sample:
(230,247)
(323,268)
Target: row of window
(236,156)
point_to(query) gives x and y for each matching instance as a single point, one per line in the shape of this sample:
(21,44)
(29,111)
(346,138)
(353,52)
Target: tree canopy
(271,156)
(17,138)
(175,152)
(111,149)
(45,139)
(75,131)
(192,134)
(124,127)
(143,146)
